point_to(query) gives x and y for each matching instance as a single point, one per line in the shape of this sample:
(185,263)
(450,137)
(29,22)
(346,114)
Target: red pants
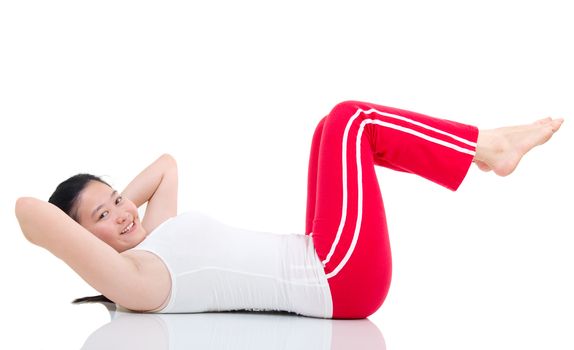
(345,213)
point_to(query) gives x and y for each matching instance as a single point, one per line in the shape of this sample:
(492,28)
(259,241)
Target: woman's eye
(119,199)
(104,214)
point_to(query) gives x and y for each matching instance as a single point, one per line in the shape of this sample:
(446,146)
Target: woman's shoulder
(187,218)
(189,221)
(154,272)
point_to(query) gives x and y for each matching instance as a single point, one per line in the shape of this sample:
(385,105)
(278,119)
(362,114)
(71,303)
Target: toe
(556,124)
(543,121)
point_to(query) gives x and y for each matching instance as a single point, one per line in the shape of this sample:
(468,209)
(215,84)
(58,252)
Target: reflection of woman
(341,268)
(232,331)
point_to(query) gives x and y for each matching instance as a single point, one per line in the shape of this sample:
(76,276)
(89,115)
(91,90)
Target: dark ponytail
(94,299)
(65,197)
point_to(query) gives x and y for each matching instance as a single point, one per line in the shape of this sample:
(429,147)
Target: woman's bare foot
(500,150)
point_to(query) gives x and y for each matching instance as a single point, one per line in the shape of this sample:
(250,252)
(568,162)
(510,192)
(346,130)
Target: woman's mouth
(128,228)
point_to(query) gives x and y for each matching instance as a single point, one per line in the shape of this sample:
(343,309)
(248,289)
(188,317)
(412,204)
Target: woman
(341,268)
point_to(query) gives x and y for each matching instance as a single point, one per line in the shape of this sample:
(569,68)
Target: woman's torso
(216,267)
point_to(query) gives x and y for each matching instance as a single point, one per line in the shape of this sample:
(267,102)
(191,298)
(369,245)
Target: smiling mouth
(128,228)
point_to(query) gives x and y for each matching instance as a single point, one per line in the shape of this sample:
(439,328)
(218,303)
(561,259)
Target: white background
(233,90)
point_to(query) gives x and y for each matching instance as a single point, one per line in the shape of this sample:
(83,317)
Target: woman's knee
(345,110)
(345,107)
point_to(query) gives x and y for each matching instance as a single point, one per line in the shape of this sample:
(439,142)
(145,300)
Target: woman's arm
(120,278)
(156,185)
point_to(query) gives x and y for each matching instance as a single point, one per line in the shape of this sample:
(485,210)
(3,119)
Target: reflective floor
(232,331)
(432,319)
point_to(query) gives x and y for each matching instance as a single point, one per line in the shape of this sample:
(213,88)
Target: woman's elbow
(23,209)
(168,158)
(22,206)
(169,164)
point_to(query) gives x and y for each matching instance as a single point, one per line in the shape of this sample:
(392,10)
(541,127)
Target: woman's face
(109,216)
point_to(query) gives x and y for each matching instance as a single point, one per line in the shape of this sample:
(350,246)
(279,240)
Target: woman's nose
(122,217)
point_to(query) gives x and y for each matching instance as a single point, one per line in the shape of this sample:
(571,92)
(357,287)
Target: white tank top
(215,267)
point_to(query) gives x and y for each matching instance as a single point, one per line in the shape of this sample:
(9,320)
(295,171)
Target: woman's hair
(66,194)
(94,299)
(65,197)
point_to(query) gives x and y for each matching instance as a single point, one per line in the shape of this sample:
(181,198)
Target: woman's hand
(156,185)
